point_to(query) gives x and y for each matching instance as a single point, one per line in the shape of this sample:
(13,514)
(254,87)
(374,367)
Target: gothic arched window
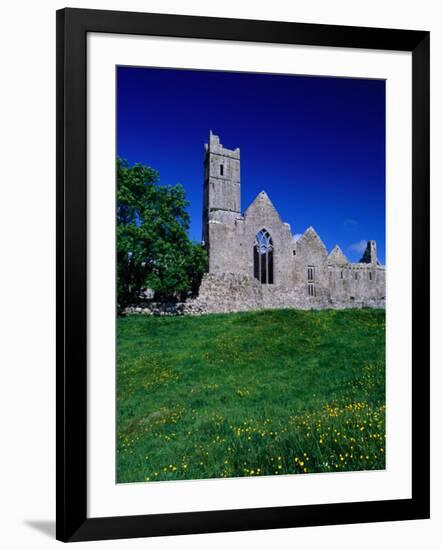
(263,257)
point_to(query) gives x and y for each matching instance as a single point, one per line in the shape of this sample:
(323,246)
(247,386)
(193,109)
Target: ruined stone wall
(226,230)
(261,214)
(357,282)
(229,293)
(310,251)
(230,236)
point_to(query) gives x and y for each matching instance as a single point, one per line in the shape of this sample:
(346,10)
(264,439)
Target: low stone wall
(228,293)
(190,307)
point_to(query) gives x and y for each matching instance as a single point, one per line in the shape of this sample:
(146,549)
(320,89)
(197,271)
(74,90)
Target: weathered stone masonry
(254,262)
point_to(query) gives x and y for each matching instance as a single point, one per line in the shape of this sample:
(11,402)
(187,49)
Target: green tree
(153,247)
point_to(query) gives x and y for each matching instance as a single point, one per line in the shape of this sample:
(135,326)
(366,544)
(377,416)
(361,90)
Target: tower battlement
(214,146)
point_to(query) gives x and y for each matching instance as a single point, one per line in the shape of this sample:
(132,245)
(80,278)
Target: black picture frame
(71,428)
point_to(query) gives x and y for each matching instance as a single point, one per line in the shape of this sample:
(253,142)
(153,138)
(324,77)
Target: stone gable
(337,257)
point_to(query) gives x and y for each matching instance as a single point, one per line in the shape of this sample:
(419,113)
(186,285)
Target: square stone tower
(221,182)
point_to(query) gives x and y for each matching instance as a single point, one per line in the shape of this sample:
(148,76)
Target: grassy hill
(256,393)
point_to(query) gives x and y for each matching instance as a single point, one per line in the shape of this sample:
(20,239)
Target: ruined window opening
(370,275)
(221,167)
(293,252)
(311,281)
(264,257)
(341,274)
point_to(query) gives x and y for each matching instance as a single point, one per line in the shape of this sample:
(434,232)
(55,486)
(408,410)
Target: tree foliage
(153,247)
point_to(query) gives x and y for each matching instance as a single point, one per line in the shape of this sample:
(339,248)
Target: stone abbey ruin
(254,261)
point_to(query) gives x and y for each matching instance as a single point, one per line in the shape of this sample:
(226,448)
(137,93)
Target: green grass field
(245,394)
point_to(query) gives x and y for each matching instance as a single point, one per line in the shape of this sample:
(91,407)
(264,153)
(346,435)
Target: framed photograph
(242,274)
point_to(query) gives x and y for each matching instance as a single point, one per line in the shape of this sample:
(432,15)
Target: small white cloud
(296,237)
(350,223)
(359,247)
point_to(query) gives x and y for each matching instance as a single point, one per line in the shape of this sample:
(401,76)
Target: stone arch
(263,254)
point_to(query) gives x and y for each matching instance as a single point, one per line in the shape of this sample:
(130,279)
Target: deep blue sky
(316,145)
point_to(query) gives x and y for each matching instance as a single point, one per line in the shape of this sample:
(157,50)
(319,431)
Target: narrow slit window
(370,275)
(311,281)
(221,169)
